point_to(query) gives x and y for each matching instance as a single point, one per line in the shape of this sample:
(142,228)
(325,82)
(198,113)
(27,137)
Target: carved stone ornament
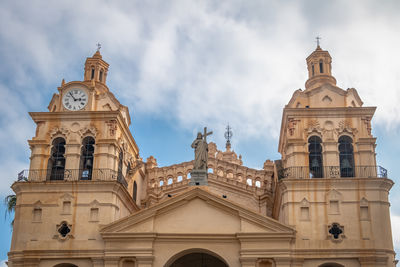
(91,130)
(59,131)
(292,125)
(345,126)
(313,124)
(112,127)
(367,121)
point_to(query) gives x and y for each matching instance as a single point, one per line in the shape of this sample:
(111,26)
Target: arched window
(101,76)
(56,163)
(65,265)
(321,67)
(312,70)
(249,181)
(92,74)
(331,265)
(170,180)
(346,156)
(315,157)
(120,166)
(87,151)
(134,194)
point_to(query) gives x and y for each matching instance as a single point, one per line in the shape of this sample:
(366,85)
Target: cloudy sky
(182,65)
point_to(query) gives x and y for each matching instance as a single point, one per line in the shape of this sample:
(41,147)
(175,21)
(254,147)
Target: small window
(304,213)
(189,175)
(321,66)
(312,70)
(364,213)
(94,214)
(170,180)
(210,170)
(92,74)
(179,179)
(120,165)
(334,206)
(249,181)
(161,183)
(37,214)
(336,231)
(258,184)
(64,229)
(134,193)
(66,207)
(101,76)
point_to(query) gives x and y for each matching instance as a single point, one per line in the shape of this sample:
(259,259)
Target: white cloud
(395,220)
(3,263)
(208,62)
(196,62)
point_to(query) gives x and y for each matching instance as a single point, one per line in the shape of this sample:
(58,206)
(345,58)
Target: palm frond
(10,201)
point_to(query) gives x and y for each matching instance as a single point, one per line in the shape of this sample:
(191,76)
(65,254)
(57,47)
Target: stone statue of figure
(200,150)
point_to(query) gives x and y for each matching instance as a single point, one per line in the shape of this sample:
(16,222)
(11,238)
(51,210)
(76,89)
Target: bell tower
(85,170)
(319,65)
(96,68)
(329,178)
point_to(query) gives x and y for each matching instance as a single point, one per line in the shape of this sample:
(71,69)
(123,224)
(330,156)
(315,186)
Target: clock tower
(85,169)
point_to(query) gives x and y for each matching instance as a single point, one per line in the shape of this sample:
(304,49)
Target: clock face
(75,99)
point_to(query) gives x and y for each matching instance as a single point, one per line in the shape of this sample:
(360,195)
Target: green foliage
(10,201)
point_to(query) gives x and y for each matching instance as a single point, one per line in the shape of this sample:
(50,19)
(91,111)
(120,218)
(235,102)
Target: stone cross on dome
(98,47)
(318,39)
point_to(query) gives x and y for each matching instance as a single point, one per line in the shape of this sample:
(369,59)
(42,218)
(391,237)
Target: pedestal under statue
(199,173)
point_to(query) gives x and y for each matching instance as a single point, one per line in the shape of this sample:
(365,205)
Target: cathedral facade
(90,200)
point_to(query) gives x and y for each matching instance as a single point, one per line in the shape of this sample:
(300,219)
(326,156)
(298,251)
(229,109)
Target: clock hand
(70,93)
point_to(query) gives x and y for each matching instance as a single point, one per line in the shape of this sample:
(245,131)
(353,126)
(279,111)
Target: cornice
(79,187)
(74,115)
(340,183)
(331,112)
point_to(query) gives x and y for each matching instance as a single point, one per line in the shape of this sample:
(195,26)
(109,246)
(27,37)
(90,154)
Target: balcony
(72,175)
(305,172)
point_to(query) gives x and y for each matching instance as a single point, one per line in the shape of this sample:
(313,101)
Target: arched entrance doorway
(196,258)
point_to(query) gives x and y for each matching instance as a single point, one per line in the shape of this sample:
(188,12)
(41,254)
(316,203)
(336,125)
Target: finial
(228,136)
(98,47)
(318,39)
(62,82)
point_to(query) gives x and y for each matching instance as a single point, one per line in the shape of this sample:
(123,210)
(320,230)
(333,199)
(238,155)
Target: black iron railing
(305,172)
(71,175)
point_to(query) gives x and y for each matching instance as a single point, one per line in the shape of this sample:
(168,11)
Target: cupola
(319,65)
(96,68)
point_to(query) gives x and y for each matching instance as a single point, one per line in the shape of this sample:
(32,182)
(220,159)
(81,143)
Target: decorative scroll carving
(112,127)
(292,125)
(313,124)
(88,130)
(345,126)
(367,121)
(59,131)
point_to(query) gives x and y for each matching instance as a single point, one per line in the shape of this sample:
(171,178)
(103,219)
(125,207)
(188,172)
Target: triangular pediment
(197,211)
